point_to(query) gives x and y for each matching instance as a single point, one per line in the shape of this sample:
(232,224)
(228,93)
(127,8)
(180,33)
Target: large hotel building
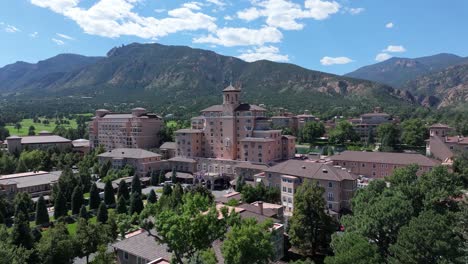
(229,134)
(138,129)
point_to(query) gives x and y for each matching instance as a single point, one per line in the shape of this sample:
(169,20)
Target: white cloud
(58,41)
(160,10)
(228,18)
(229,37)
(264,53)
(327,61)
(193,5)
(389,25)
(355,11)
(284,13)
(11,29)
(114,18)
(216,2)
(34,34)
(394,48)
(65,36)
(382,56)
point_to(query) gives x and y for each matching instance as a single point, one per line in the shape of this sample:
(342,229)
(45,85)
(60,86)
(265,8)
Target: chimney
(260,206)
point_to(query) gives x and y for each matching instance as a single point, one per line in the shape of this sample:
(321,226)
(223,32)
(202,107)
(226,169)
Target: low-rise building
(43,141)
(81,146)
(444,147)
(138,129)
(339,183)
(168,150)
(381,164)
(35,183)
(142,160)
(366,125)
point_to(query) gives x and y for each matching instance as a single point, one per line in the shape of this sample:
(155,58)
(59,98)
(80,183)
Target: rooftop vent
(304,167)
(324,170)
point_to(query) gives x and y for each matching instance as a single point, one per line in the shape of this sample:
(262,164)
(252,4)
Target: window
(289,190)
(330,206)
(363,165)
(125,255)
(289,200)
(284,188)
(330,184)
(330,196)
(373,165)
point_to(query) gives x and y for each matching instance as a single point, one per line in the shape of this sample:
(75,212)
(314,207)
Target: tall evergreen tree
(154,178)
(23,203)
(152,198)
(177,194)
(310,227)
(162,177)
(136,204)
(94,198)
(83,212)
(174,175)
(77,200)
(42,216)
(122,206)
(60,205)
(136,184)
(21,233)
(102,214)
(167,189)
(109,198)
(123,190)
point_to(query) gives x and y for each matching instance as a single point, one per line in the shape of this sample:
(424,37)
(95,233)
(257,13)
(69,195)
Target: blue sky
(332,36)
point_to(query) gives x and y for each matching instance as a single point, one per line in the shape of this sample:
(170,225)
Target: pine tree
(83,212)
(167,189)
(42,216)
(60,205)
(152,198)
(177,194)
(77,200)
(122,206)
(154,178)
(136,185)
(109,197)
(102,214)
(94,198)
(174,176)
(21,233)
(136,204)
(123,190)
(21,167)
(162,177)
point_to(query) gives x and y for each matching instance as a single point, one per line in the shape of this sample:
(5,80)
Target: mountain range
(171,77)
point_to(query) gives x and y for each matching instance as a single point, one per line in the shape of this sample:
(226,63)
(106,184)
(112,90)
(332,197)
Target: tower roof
(231,88)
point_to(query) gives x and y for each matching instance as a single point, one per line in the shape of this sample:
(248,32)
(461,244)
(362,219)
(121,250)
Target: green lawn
(26,123)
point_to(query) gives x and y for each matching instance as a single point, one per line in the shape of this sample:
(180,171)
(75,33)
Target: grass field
(26,123)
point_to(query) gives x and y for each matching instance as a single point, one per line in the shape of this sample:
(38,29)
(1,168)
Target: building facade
(339,183)
(143,161)
(43,141)
(138,129)
(231,133)
(381,164)
(35,183)
(443,146)
(366,125)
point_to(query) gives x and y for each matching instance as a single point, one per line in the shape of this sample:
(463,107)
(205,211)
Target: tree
(136,184)
(123,190)
(136,204)
(389,136)
(174,175)
(18,127)
(187,231)
(154,178)
(94,198)
(77,200)
(60,206)
(42,216)
(121,206)
(414,132)
(342,133)
(21,233)
(162,177)
(21,167)
(311,131)
(103,257)
(167,189)
(109,198)
(177,195)
(23,204)
(152,198)
(84,212)
(351,247)
(11,254)
(248,242)
(31,131)
(88,237)
(102,214)
(310,226)
(56,246)
(428,238)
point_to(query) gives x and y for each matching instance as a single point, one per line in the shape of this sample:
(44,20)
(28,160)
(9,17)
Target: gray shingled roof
(144,246)
(311,170)
(129,153)
(32,180)
(256,139)
(213,108)
(189,130)
(385,157)
(168,145)
(42,139)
